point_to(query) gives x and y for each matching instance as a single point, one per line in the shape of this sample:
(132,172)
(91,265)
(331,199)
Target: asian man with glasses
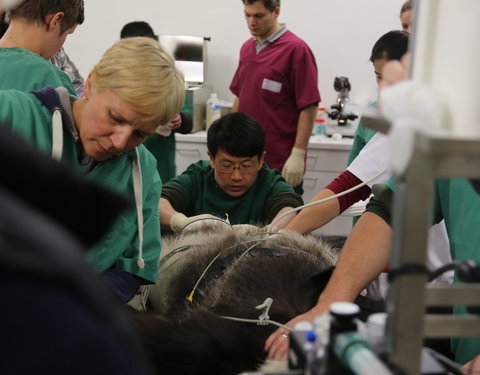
(235,185)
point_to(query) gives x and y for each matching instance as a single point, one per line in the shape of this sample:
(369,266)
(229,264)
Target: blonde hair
(143,73)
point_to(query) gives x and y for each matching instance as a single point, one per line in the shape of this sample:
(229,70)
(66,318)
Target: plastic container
(320,120)
(213,110)
(309,348)
(322,331)
(163,130)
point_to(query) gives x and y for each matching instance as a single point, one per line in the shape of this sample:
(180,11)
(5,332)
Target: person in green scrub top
(100,135)
(391,46)
(458,203)
(36,32)
(234,185)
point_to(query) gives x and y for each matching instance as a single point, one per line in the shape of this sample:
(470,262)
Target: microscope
(338,114)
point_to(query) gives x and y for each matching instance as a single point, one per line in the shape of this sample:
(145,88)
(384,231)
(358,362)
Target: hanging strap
(138,188)
(49,98)
(57,134)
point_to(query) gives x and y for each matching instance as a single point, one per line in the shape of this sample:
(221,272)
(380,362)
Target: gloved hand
(178,221)
(294,167)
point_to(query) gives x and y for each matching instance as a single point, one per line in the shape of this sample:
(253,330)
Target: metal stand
(407,325)
(409,295)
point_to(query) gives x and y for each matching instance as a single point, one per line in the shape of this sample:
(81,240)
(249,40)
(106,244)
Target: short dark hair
(269,4)
(38,10)
(391,46)
(137,28)
(237,134)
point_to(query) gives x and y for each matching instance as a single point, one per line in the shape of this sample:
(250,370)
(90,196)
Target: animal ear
(320,279)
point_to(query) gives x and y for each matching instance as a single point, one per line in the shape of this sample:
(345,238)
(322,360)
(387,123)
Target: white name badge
(271,86)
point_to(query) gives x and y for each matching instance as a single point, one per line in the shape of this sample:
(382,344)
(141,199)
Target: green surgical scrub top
(24,114)
(24,70)
(363,135)
(201,194)
(457,202)
(163,148)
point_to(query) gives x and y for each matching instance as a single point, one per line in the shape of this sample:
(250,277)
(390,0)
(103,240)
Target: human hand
(294,167)
(166,130)
(277,345)
(472,366)
(179,221)
(176,121)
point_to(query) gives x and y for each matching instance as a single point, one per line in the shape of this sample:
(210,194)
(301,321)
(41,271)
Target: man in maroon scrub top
(276,83)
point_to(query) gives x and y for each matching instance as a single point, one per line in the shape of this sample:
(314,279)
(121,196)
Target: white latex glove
(294,167)
(178,221)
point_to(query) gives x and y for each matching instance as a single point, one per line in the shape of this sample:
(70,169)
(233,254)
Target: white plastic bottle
(376,330)
(213,110)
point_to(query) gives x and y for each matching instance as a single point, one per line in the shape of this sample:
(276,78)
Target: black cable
(441,270)
(407,269)
(467,271)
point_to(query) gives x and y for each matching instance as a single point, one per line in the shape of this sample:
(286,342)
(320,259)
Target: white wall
(340,33)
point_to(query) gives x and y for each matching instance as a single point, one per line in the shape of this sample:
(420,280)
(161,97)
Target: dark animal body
(185,336)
